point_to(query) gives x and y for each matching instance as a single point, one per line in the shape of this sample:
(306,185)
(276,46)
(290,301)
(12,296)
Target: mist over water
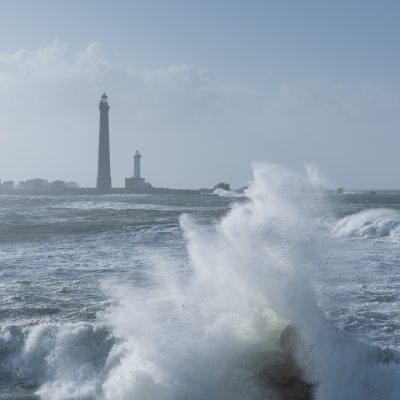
(185,297)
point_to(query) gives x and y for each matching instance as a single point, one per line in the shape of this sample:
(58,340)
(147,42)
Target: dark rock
(224,186)
(282,374)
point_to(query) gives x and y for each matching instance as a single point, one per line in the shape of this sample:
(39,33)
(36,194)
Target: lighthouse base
(135,183)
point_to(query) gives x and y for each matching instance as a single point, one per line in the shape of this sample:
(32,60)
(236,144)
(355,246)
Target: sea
(184,296)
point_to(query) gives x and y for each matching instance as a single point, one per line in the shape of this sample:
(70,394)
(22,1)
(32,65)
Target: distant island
(39,186)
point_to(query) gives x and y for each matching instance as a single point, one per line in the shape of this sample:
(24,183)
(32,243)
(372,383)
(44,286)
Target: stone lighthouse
(103,170)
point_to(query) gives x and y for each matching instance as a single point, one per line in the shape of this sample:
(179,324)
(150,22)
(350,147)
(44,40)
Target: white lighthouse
(136,166)
(136,182)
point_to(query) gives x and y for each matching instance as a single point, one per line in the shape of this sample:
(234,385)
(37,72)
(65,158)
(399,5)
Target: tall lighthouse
(103,170)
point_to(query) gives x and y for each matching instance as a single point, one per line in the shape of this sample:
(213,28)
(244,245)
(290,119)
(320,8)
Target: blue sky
(203,88)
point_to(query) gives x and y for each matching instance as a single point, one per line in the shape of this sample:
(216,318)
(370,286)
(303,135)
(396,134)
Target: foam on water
(119,205)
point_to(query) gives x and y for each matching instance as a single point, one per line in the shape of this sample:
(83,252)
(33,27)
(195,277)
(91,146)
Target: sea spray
(211,338)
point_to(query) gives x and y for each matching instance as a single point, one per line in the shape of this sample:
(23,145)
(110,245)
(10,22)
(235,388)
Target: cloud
(49,112)
(194,129)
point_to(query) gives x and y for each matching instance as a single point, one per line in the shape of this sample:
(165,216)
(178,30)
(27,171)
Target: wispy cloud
(193,128)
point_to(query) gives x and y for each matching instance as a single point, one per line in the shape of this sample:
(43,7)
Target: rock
(289,339)
(223,186)
(298,391)
(282,374)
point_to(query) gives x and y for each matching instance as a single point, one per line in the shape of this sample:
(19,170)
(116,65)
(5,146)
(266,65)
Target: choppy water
(172,297)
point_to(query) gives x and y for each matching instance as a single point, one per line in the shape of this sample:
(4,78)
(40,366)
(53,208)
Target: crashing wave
(66,361)
(227,193)
(373,223)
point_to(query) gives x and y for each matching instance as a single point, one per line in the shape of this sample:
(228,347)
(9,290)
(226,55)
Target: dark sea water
(152,297)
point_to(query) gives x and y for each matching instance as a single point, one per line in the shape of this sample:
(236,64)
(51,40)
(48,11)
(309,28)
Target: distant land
(39,186)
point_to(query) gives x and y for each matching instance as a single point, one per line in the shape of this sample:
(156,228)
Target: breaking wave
(227,193)
(67,361)
(374,223)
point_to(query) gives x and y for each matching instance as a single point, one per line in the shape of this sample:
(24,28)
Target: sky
(202,88)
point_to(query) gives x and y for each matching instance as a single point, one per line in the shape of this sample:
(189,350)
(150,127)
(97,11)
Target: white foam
(227,193)
(66,360)
(202,341)
(376,222)
(88,205)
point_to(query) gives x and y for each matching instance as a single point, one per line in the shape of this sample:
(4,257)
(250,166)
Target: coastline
(94,191)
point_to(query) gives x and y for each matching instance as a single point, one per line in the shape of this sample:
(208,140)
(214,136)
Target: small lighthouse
(136,165)
(103,170)
(136,182)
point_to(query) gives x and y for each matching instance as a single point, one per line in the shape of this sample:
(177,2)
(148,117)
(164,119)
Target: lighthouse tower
(136,182)
(103,170)
(136,165)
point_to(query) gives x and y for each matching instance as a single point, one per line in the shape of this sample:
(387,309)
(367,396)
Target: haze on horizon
(202,89)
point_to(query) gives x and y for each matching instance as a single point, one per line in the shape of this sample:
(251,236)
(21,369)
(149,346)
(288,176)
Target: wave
(66,361)
(227,193)
(119,206)
(373,223)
